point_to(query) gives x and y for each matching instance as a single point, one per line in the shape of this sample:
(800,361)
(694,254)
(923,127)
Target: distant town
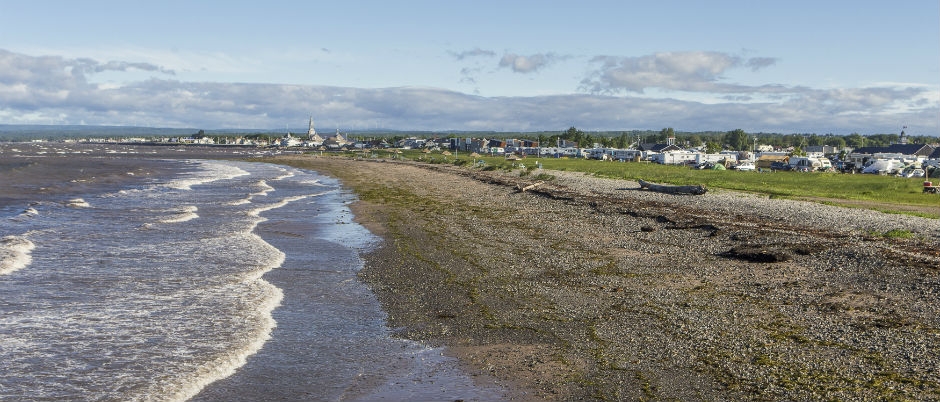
(886,154)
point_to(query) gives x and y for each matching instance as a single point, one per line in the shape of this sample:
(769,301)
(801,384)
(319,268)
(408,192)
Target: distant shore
(590,288)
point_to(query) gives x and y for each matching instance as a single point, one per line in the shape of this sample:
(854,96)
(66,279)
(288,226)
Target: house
(677,157)
(820,150)
(911,151)
(865,155)
(410,143)
(289,141)
(659,148)
(313,139)
(935,155)
(337,142)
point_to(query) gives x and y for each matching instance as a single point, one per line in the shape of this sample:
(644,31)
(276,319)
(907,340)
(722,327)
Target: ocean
(152,273)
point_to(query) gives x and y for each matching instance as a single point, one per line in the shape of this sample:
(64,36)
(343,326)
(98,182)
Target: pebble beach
(582,288)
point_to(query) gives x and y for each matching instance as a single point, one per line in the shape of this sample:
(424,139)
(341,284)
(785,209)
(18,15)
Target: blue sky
(772,66)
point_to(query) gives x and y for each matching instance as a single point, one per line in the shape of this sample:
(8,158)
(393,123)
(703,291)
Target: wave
(287,174)
(15,254)
(209,172)
(226,365)
(77,203)
(257,211)
(242,201)
(312,183)
(186,213)
(265,188)
(27,214)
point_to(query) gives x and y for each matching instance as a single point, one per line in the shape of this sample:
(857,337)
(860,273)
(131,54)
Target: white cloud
(53,89)
(681,71)
(475,52)
(528,64)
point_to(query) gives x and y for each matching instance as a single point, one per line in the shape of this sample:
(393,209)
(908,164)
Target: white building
(675,157)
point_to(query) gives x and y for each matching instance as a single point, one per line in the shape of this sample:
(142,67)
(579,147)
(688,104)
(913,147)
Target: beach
(470,284)
(589,288)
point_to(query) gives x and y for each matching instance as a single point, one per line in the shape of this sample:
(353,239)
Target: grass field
(880,191)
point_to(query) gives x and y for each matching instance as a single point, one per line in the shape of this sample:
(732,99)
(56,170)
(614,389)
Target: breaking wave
(15,254)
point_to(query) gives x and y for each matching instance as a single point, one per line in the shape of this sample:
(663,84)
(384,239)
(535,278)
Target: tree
(588,141)
(815,140)
(713,147)
(855,140)
(835,141)
(574,135)
(664,134)
(737,140)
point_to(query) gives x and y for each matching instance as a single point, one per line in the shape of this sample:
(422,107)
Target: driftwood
(529,187)
(663,188)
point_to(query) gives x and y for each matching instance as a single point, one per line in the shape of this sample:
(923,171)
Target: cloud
(528,64)
(49,89)
(681,71)
(475,52)
(469,75)
(758,63)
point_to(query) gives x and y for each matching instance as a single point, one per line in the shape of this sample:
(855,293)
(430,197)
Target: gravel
(589,288)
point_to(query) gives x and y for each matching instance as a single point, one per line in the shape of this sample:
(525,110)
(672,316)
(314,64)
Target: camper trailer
(809,164)
(884,166)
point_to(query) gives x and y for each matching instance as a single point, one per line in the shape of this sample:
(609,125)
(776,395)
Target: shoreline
(588,289)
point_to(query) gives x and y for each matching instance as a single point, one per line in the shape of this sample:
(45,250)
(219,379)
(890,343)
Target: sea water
(224,281)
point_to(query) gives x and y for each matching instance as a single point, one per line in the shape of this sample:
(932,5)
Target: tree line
(737,140)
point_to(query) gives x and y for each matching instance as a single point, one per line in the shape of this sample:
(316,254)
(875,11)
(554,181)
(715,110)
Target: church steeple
(312,135)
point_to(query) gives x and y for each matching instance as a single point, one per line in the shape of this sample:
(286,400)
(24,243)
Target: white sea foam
(225,365)
(15,253)
(77,203)
(283,202)
(312,183)
(287,174)
(208,173)
(265,188)
(27,214)
(186,213)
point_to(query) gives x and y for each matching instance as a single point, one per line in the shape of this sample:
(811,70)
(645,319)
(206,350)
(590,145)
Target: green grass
(827,187)
(895,234)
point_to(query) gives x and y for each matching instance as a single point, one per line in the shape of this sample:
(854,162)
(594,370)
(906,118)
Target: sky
(790,66)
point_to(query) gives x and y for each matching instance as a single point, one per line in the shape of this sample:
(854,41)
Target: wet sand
(328,315)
